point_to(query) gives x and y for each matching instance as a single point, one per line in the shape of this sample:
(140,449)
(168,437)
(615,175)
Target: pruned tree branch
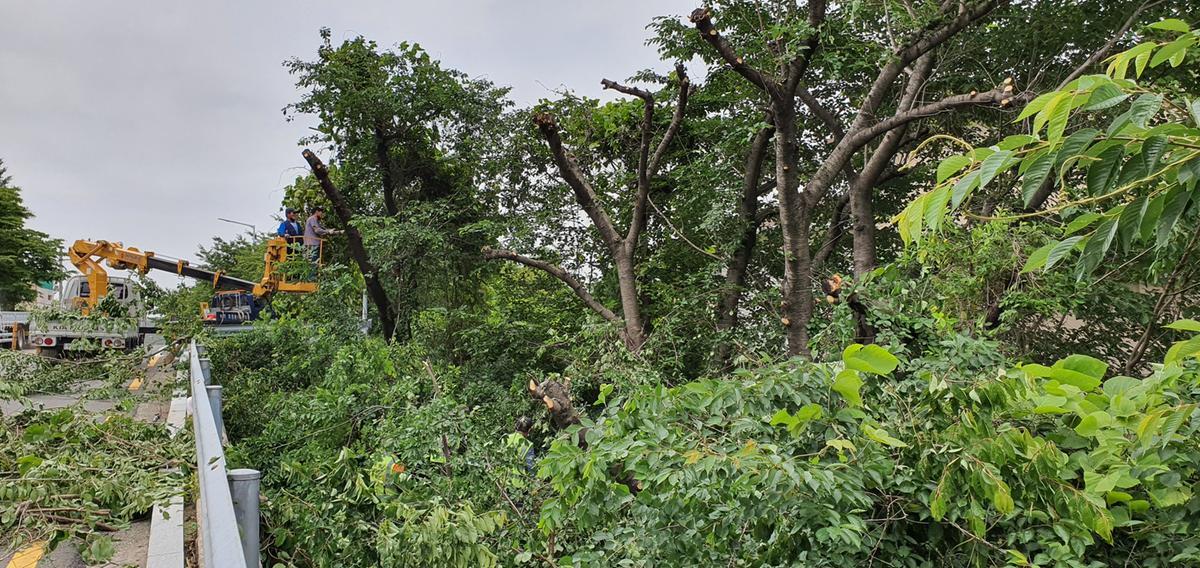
(685,86)
(585,194)
(355,241)
(702,18)
(1001,95)
(558,272)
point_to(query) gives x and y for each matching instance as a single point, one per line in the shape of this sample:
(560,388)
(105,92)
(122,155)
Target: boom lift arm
(89,256)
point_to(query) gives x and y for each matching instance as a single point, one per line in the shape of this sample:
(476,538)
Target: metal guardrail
(228,511)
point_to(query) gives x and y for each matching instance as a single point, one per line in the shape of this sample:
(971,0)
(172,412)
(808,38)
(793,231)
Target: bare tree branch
(702,17)
(798,65)
(355,241)
(924,42)
(585,195)
(556,271)
(685,86)
(832,122)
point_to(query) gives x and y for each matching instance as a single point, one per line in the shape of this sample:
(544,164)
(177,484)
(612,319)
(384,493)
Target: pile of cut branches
(66,474)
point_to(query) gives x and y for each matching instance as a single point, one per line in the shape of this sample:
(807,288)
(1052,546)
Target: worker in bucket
(290,228)
(314,231)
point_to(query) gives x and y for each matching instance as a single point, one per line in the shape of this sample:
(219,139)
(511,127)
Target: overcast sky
(144,121)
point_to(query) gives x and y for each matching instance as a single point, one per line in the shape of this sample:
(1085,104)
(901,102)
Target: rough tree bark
(622,248)
(357,250)
(782,89)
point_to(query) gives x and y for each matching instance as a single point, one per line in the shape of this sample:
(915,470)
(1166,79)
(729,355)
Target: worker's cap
(288,210)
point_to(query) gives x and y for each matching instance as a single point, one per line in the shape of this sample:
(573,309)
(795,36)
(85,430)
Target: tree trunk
(862,210)
(794,221)
(357,250)
(635,332)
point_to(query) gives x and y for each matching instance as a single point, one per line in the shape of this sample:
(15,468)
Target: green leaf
(1184,325)
(1194,110)
(1075,144)
(1002,498)
(1151,217)
(841,445)
(1016,141)
(26,463)
(1060,250)
(1102,174)
(1172,49)
(1051,107)
(1171,25)
(880,435)
(1119,123)
(1049,404)
(1037,259)
(1182,349)
(1130,221)
(908,222)
(1134,170)
(870,359)
(783,418)
(847,384)
(1152,150)
(1084,364)
(1105,96)
(993,165)
(1176,201)
(1097,246)
(1036,105)
(100,549)
(1092,423)
(1058,120)
(1081,222)
(935,208)
(605,390)
(951,166)
(1120,385)
(1036,175)
(809,412)
(1144,108)
(963,187)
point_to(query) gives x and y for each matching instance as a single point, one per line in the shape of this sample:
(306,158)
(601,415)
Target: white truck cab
(52,337)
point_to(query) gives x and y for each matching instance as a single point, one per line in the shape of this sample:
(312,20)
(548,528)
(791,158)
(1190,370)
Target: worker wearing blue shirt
(290,228)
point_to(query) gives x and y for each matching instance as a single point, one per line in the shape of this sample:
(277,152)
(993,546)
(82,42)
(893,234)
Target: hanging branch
(354,240)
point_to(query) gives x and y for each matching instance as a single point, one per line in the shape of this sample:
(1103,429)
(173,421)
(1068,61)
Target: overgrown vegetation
(609,380)
(66,474)
(595,336)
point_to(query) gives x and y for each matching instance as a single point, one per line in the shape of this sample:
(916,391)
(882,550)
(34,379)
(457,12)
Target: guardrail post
(214,400)
(243,486)
(206,369)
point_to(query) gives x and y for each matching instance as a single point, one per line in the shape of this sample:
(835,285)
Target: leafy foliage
(50,488)
(1127,185)
(27,257)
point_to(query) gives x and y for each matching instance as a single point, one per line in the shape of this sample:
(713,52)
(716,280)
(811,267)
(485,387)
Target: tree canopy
(27,257)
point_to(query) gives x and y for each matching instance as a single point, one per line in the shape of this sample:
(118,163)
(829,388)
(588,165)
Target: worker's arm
(283,229)
(321,231)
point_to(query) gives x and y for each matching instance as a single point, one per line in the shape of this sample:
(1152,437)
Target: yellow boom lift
(89,257)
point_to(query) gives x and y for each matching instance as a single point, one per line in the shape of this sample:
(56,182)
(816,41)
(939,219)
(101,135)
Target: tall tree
(26,256)
(621,243)
(410,140)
